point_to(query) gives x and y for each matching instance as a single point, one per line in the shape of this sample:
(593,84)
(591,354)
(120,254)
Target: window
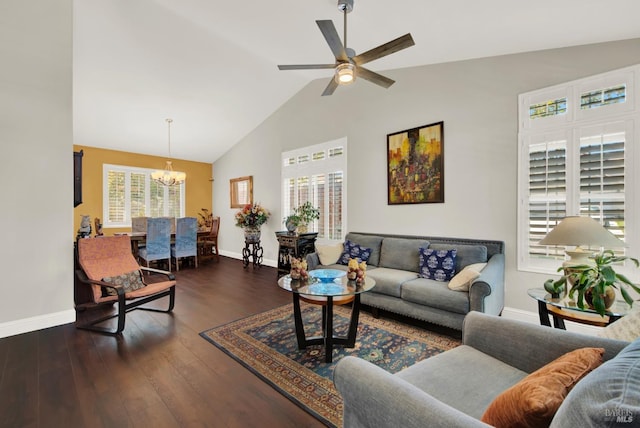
(317,174)
(129,192)
(579,165)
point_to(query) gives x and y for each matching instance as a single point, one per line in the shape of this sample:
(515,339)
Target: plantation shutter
(334,225)
(547,193)
(602,179)
(117,196)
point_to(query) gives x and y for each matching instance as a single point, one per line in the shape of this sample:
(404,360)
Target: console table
(293,245)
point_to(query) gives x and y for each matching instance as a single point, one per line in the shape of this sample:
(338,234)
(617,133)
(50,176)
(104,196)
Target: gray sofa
(454,388)
(394,264)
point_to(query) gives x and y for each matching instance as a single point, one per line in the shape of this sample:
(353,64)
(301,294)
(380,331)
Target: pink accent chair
(110,269)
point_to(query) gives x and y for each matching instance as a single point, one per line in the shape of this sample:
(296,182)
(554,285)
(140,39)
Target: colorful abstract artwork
(415,165)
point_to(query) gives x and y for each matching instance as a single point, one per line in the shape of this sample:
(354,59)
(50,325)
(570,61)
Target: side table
(564,308)
(293,245)
(252,253)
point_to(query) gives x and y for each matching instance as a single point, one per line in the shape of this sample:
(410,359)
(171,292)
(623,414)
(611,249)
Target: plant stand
(252,253)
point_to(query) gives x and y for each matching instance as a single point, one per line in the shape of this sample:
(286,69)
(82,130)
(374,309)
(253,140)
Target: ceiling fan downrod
(345,6)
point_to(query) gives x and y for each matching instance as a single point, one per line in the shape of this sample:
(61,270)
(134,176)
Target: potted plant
(596,283)
(301,217)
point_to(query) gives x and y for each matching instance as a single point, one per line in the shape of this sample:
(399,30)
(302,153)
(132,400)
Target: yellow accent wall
(198,187)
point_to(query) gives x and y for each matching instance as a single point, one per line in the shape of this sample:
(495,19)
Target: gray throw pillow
(608,396)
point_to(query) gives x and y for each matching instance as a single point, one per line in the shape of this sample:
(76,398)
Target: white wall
(36,255)
(476,99)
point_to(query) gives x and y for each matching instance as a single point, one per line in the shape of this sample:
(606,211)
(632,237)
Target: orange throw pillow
(534,400)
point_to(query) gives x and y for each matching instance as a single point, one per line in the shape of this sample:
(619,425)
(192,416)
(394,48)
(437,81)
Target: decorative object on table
(586,273)
(356,271)
(596,283)
(327,275)
(84,231)
(299,269)
(168,177)
(241,191)
(415,165)
(266,345)
(347,64)
(301,216)
(98,224)
(205,220)
(576,231)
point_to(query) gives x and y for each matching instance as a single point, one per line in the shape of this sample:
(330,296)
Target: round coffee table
(339,291)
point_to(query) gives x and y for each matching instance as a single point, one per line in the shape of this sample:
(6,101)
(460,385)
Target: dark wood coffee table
(337,292)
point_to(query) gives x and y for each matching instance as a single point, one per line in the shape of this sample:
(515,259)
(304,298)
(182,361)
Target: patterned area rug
(266,344)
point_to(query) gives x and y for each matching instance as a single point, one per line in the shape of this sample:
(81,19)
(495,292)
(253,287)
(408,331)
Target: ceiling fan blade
(333,39)
(388,48)
(306,66)
(331,87)
(374,77)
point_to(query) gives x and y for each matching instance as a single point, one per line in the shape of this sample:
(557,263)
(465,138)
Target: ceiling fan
(348,65)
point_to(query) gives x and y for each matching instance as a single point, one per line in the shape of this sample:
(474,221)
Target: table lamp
(577,231)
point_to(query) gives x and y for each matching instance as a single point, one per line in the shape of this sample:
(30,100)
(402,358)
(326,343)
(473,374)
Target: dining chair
(186,242)
(208,245)
(109,269)
(158,241)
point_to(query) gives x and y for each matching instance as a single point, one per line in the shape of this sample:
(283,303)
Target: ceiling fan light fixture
(345,73)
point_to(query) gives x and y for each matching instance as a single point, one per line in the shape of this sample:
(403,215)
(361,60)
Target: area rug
(266,344)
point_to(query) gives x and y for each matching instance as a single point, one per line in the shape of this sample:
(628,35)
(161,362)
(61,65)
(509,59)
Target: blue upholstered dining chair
(158,241)
(186,243)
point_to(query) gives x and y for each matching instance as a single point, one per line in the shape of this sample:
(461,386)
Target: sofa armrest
(527,346)
(486,293)
(313,261)
(375,398)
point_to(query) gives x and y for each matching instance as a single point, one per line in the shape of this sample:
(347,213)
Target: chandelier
(168,177)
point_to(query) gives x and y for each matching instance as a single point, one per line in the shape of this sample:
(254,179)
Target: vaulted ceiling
(211,65)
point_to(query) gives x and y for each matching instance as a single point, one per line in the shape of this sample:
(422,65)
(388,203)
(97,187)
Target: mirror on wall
(241,191)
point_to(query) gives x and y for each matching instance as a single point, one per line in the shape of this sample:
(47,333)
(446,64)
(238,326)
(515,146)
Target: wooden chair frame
(123,306)
(103,258)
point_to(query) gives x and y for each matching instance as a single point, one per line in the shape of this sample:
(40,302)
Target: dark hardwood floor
(159,373)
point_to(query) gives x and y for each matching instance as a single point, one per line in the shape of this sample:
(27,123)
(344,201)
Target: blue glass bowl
(326,275)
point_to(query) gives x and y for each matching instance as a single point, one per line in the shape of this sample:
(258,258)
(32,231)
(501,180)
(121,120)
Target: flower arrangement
(252,215)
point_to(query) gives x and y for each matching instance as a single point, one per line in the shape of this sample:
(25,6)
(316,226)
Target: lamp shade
(578,231)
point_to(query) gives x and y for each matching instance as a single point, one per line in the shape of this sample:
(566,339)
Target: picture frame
(241,191)
(415,165)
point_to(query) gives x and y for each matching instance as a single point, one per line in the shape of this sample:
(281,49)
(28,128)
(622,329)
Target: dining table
(138,239)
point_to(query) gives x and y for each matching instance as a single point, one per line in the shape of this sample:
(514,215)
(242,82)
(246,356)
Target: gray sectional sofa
(394,264)
(453,389)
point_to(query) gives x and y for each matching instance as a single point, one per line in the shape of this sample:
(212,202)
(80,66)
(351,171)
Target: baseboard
(533,318)
(39,322)
(233,255)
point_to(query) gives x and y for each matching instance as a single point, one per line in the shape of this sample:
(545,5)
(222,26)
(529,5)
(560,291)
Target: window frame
(576,125)
(306,163)
(128,171)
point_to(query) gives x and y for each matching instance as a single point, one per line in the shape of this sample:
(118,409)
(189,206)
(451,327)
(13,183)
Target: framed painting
(241,191)
(415,165)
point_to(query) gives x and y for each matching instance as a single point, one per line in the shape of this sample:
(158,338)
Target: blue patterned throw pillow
(439,265)
(354,251)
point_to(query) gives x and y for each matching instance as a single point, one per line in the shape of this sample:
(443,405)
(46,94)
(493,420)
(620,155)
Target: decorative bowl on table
(326,275)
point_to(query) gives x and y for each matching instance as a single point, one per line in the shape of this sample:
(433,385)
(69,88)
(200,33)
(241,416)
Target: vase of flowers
(250,218)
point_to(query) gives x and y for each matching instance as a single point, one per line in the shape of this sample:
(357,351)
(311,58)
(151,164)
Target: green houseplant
(302,216)
(595,283)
